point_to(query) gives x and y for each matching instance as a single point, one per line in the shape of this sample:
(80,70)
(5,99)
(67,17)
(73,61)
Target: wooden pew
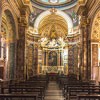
(39,78)
(76,84)
(25,90)
(27,87)
(88,97)
(66,87)
(74,91)
(19,96)
(31,84)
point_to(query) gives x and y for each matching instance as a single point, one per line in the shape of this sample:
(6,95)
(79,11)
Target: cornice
(90,6)
(23,4)
(81,4)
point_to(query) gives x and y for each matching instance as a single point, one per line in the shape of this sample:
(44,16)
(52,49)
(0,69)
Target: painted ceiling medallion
(60,4)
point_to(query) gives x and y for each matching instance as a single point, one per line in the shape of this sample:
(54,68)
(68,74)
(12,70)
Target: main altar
(53,61)
(54,56)
(53,45)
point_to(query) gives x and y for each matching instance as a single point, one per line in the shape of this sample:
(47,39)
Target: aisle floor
(53,92)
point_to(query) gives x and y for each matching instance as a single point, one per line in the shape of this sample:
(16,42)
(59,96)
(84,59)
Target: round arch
(95,33)
(12,35)
(95,46)
(6,7)
(58,12)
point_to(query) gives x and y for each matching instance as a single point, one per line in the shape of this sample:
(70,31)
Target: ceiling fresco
(60,4)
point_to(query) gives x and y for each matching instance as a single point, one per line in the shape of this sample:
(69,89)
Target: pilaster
(21,53)
(85,67)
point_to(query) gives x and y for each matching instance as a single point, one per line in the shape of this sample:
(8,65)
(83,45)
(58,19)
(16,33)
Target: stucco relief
(96,28)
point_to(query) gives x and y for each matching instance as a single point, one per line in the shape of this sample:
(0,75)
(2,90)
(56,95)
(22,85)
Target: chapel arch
(9,42)
(95,47)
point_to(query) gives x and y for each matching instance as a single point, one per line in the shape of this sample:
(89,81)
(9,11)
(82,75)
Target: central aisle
(53,92)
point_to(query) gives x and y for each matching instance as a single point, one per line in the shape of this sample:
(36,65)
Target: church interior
(49,49)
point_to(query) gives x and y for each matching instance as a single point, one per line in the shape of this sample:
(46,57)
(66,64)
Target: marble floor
(53,92)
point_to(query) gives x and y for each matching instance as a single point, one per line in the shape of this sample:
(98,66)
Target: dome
(60,4)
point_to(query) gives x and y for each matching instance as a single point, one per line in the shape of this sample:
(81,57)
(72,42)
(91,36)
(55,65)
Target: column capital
(84,22)
(23,21)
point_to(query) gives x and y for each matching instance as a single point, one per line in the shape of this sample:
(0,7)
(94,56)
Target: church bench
(23,86)
(67,86)
(88,97)
(19,96)
(67,78)
(76,84)
(39,78)
(31,83)
(74,91)
(25,90)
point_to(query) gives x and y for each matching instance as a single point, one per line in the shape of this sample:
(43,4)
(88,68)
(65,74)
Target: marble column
(21,51)
(84,52)
(61,58)
(46,58)
(58,60)
(88,51)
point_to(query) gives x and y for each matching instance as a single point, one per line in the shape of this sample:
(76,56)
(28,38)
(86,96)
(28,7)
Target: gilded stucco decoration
(96,28)
(53,26)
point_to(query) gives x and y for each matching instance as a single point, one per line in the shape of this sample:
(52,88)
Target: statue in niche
(52,59)
(32,17)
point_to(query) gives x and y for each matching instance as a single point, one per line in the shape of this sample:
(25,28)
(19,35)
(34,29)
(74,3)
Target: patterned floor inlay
(53,92)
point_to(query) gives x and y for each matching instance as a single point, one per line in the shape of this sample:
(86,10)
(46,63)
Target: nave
(49,49)
(43,88)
